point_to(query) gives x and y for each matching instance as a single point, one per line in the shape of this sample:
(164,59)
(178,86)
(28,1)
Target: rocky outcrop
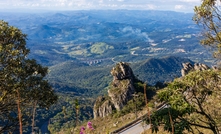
(102,107)
(187,67)
(120,91)
(122,71)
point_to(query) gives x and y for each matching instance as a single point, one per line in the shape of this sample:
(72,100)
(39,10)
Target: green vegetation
(93,80)
(155,70)
(82,52)
(194,100)
(22,83)
(208,16)
(193,103)
(93,35)
(80,78)
(100,48)
(69,112)
(133,106)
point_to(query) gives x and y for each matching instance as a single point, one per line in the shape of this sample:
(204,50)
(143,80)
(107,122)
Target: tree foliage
(208,15)
(193,103)
(22,83)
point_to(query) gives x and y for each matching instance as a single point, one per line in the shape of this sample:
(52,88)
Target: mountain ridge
(97,78)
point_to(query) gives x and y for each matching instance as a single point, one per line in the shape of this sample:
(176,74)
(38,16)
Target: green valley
(80,48)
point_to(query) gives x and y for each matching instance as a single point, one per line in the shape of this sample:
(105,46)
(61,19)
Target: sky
(172,5)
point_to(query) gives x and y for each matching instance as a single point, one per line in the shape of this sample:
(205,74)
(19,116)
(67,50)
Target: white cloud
(70,4)
(63,4)
(151,6)
(35,5)
(138,6)
(194,1)
(177,7)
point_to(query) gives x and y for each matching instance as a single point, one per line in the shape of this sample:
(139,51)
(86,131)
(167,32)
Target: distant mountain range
(80,47)
(132,35)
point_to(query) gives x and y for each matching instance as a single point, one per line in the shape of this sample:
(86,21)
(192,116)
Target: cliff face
(119,93)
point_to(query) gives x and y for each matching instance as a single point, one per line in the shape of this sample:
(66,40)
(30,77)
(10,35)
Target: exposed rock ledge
(187,67)
(119,93)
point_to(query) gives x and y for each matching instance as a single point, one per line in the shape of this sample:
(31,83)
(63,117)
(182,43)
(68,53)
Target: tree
(208,15)
(22,82)
(193,104)
(77,108)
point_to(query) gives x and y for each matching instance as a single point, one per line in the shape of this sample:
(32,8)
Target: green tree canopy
(208,15)
(22,83)
(193,103)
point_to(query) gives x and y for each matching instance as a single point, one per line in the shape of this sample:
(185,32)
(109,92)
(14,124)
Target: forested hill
(84,79)
(159,69)
(102,36)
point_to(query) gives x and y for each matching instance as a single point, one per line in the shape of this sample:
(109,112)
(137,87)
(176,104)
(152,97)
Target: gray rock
(187,67)
(122,93)
(102,107)
(119,93)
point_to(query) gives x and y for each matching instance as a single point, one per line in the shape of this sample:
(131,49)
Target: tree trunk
(171,122)
(148,111)
(33,116)
(19,112)
(76,117)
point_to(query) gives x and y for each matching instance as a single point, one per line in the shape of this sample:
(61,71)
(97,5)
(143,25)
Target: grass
(107,124)
(100,48)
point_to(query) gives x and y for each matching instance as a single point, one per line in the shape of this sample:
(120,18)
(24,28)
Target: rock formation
(103,107)
(187,67)
(119,93)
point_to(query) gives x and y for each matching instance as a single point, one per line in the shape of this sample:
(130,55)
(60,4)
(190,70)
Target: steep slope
(159,69)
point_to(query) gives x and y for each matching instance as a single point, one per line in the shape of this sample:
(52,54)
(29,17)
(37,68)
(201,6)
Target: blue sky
(173,5)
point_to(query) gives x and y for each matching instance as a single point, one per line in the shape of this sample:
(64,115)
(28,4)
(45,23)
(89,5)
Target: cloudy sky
(174,5)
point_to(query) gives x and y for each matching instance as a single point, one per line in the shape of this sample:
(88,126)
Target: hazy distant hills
(125,35)
(81,47)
